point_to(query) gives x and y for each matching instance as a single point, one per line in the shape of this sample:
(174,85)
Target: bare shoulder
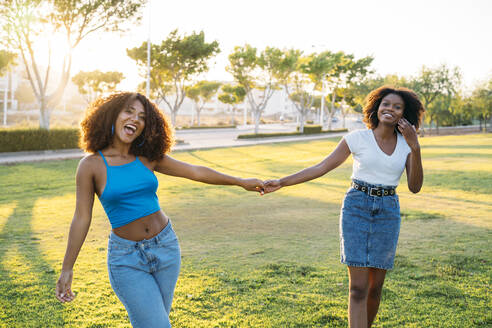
(90,164)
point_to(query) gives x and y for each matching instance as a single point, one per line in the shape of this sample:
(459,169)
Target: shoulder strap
(104,158)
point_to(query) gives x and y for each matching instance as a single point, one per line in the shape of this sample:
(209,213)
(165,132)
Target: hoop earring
(141,144)
(370,116)
(112,129)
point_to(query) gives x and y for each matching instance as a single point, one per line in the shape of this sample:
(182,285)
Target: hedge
(284,134)
(37,139)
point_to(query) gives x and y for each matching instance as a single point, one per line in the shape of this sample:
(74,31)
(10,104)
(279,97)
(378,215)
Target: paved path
(194,140)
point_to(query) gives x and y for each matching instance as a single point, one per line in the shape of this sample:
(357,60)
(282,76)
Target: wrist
(415,148)
(240,182)
(282,182)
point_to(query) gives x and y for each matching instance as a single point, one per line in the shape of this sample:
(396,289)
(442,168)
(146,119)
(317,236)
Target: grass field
(251,261)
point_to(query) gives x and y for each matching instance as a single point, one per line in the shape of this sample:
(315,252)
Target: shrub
(37,139)
(309,129)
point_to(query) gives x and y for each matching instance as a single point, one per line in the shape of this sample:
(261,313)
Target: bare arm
(171,166)
(332,161)
(78,229)
(415,172)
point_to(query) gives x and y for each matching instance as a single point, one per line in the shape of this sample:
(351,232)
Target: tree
(256,74)
(201,93)
(7,59)
(345,70)
(436,83)
(232,95)
(93,84)
(24,94)
(29,24)
(174,63)
(481,100)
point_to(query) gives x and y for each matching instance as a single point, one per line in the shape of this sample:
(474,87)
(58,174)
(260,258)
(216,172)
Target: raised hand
(272,185)
(64,287)
(409,133)
(253,184)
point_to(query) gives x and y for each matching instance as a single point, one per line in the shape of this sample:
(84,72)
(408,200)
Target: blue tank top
(130,192)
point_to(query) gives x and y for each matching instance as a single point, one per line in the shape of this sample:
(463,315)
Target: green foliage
(232,94)
(96,83)
(309,129)
(173,63)
(7,59)
(38,139)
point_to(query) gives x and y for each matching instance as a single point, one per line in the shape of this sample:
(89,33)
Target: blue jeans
(143,275)
(369,229)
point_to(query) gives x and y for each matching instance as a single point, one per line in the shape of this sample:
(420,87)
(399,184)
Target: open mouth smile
(130,129)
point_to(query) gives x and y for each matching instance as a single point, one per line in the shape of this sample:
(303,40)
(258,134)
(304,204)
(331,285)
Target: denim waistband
(113,238)
(363,183)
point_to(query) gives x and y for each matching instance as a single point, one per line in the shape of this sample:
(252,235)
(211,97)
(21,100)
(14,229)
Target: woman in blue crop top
(130,140)
(370,214)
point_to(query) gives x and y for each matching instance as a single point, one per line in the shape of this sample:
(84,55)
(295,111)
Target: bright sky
(401,35)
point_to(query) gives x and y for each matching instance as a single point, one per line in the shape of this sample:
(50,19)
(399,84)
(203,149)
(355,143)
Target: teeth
(131,127)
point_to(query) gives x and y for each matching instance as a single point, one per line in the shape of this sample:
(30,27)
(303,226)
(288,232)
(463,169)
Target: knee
(375,292)
(358,293)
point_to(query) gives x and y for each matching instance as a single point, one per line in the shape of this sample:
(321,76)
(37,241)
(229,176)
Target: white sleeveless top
(371,164)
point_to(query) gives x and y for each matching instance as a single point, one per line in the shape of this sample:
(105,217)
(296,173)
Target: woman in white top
(370,214)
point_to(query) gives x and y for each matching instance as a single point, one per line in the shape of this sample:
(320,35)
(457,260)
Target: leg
(358,289)
(141,296)
(167,274)
(376,280)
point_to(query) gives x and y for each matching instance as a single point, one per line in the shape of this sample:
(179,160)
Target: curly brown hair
(413,110)
(97,126)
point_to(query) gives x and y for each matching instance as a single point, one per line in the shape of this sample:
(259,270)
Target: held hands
(272,185)
(409,133)
(253,184)
(64,287)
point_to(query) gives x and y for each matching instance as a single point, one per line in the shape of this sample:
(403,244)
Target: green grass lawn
(251,261)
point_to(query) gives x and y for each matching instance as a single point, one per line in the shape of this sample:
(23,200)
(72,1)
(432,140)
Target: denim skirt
(369,228)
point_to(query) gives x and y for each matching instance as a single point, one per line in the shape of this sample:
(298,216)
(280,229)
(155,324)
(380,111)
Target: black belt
(374,191)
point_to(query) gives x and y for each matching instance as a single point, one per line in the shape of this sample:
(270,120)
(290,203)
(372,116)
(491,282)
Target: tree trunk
(301,121)
(490,123)
(437,126)
(173,118)
(232,115)
(44,115)
(198,117)
(330,117)
(257,120)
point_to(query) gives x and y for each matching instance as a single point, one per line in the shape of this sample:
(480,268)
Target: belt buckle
(375,192)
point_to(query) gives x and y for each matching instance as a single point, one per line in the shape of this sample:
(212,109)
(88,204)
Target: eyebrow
(143,112)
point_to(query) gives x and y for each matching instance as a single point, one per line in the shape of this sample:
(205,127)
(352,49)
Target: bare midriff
(143,228)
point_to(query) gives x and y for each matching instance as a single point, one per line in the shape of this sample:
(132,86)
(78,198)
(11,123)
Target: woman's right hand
(272,185)
(64,287)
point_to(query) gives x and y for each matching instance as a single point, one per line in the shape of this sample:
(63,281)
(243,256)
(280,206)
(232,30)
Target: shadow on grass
(27,278)
(28,281)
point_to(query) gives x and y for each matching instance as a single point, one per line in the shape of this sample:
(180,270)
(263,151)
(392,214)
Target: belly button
(147,230)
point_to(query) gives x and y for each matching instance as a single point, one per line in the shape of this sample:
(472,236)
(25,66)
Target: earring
(141,144)
(112,129)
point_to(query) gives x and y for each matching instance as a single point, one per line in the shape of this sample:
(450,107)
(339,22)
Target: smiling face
(391,109)
(130,122)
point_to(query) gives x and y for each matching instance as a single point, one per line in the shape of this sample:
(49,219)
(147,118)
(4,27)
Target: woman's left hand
(253,184)
(409,133)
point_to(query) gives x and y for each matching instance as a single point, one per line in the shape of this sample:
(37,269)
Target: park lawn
(251,261)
